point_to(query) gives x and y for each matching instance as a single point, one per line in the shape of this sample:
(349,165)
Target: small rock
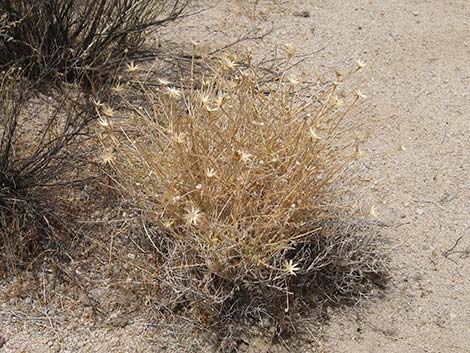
(85,300)
(119,322)
(415,13)
(2,341)
(419,211)
(28,300)
(303,13)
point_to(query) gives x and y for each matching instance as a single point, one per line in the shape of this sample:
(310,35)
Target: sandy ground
(417,160)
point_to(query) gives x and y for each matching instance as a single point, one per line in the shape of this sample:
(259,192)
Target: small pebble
(119,322)
(303,13)
(419,211)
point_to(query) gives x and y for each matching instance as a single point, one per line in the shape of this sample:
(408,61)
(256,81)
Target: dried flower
(179,138)
(132,67)
(167,224)
(173,92)
(229,62)
(163,82)
(290,267)
(108,111)
(293,80)
(104,122)
(360,65)
(192,216)
(204,99)
(97,103)
(314,134)
(359,94)
(290,50)
(373,212)
(243,156)
(210,172)
(119,88)
(107,156)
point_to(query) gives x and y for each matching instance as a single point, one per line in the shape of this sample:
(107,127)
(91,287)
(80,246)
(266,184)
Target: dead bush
(244,190)
(40,156)
(68,39)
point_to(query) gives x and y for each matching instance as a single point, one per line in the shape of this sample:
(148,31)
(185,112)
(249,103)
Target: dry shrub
(68,39)
(242,188)
(40,156)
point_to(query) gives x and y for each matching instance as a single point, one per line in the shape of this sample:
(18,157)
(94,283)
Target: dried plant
(39,157)
(242,189)
(68,39)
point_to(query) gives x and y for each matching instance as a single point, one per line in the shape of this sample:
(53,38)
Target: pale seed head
(210,173)
(167,224)
(290,50)
(179,138)
(204,98)
(290,268)
(104,122)
(360,65)
(132,67)
(107,156)
(373,212)
(108,111)
(193,216)
(173,92)
(359,94)
(243,156)
(163,82)
(98,103)
(293,80)
(119,88)
(229,62)
(314,134)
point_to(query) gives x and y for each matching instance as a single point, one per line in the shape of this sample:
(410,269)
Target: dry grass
(235,183)
(241,190)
